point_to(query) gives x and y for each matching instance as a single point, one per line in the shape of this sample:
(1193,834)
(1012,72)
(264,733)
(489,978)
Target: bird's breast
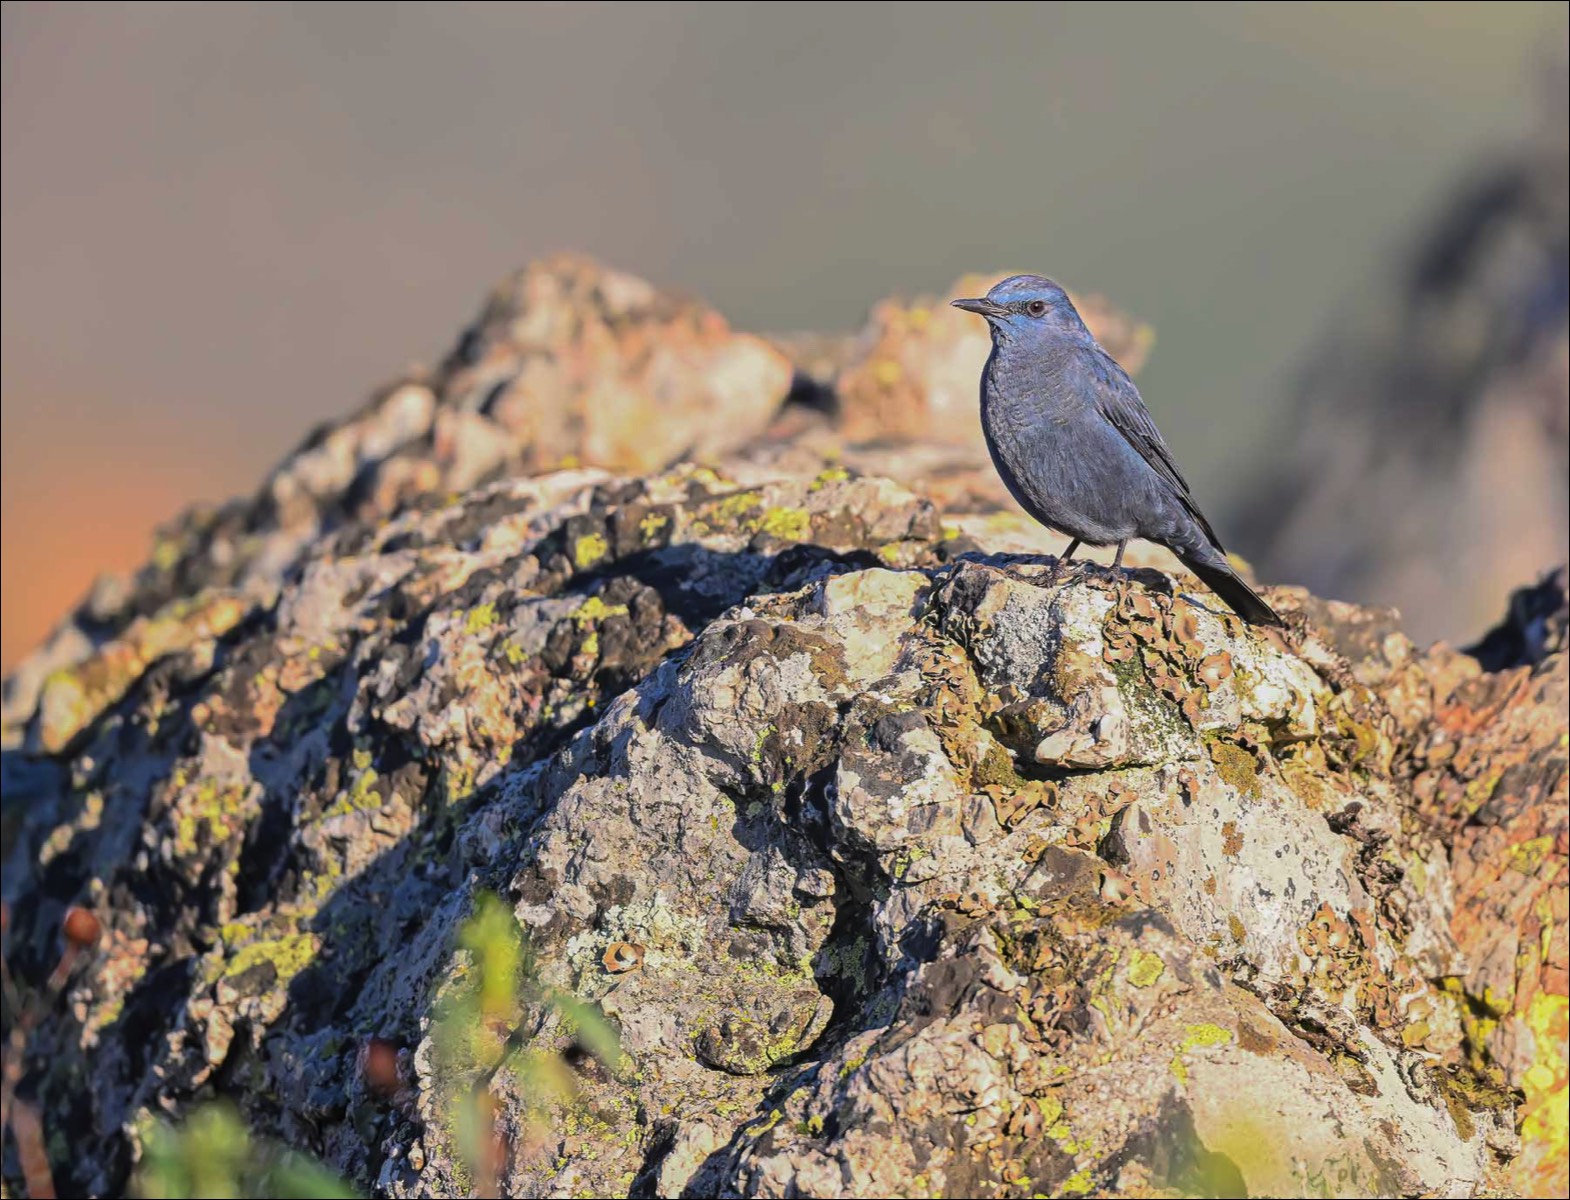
(1056,456)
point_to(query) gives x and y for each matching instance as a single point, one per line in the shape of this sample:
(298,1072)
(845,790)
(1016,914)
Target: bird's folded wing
(1120,403)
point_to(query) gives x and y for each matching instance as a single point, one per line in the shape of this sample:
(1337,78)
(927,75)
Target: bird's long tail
(1220,578)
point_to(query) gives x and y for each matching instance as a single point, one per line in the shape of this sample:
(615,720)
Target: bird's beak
(983,307)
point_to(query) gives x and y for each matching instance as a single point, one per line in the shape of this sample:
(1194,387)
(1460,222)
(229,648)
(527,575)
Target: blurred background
(226,223)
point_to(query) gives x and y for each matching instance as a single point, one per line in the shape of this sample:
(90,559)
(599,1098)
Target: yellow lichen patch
(707,476)
(787,524)
(1527,856)
(289,955)
(456,782)
(1145,968)
(72,697)
(1545,1115)
(1368,746)
(1197,1036)
(733,507)
(166,553)
(1055,1117)
(211,806)
(479,618)
(827,476)
(889,553)
(1237,766)
(360,795)
(1309,775)
(649,528)
(595,609)
(235,932)
(589,549)
(1080,1183)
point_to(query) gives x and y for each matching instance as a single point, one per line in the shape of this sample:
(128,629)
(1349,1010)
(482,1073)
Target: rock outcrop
(568,363)
(895,870)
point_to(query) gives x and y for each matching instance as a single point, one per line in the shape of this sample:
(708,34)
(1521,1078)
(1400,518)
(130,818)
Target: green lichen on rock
(1236,766)
(589,549)
(363,795)
(750,1044)
(595,609)
(1195,1037)
(786,524)
(1145,969)
(287,956)
(479,618)
(207,812)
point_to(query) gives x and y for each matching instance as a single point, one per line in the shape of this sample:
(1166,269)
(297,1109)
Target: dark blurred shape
(1427,459)
(1532,629)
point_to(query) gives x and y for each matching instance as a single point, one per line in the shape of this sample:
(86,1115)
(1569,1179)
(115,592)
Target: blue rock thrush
(1071,438)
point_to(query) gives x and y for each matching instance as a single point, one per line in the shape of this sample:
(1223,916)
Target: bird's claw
(1050,579)
(1062,572)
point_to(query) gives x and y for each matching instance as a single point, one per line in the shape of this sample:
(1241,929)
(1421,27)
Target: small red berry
(81,928)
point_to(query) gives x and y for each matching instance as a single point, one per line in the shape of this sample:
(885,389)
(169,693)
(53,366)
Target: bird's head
(1028,308)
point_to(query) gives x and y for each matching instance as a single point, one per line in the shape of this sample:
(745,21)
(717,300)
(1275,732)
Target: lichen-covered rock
(570,364)
(580,364)
(899,873)
(895,869)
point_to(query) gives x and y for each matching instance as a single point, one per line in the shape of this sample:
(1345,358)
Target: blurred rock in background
(1427,447)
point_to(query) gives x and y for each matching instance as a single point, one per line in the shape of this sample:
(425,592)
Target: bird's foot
(1064,571)
(1121,577)
(1085,568)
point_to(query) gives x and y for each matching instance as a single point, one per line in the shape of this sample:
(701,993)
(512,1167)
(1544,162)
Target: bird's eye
(1036,308)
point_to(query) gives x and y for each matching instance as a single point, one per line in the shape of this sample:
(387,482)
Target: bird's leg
(1058,566)
(1121,581)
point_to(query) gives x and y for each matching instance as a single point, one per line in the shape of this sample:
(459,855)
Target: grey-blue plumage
(1071,438)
